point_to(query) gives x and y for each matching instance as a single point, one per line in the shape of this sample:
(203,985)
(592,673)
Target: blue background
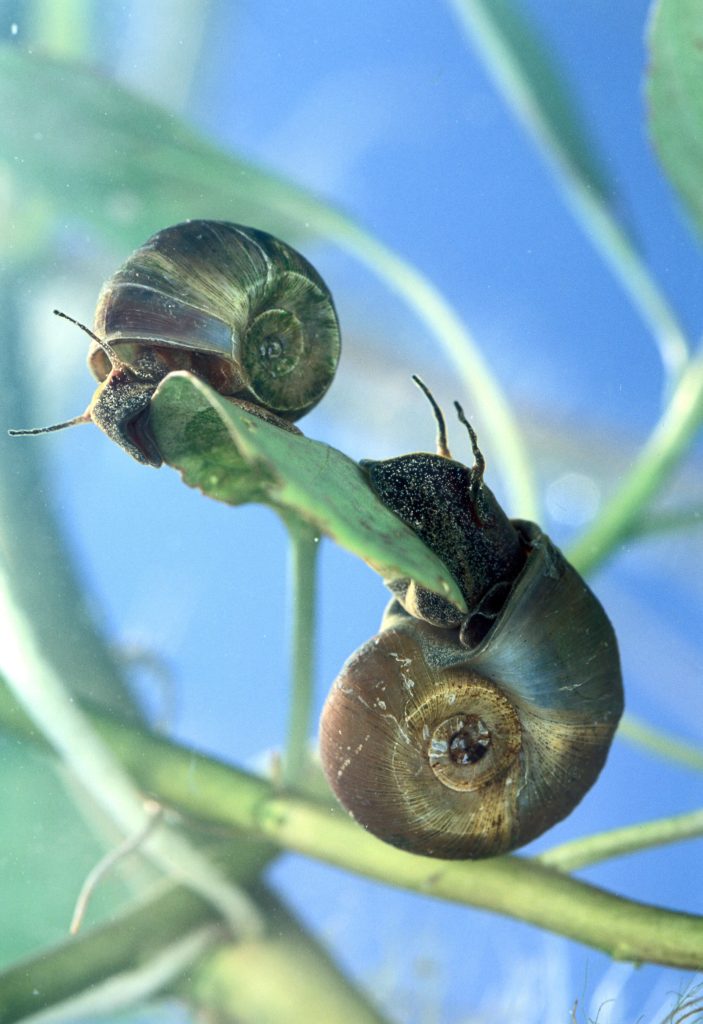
(384,110)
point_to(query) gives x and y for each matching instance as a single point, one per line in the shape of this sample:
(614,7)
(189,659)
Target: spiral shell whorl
(234,292)
(462,753)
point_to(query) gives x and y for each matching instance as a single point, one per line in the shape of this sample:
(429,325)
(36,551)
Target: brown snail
(466,736)
(233,305)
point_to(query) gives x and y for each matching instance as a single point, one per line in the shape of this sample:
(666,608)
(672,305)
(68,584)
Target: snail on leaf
(468,735)
(231,304)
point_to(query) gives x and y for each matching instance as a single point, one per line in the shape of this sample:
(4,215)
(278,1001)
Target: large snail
(231,304)
(466,736)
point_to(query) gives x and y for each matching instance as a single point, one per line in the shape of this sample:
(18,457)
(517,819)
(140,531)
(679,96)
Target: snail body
(232,304)
(466,735)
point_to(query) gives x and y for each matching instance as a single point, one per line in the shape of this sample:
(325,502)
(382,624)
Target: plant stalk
(304,545)
(655,462)
(514,886)
(619,842)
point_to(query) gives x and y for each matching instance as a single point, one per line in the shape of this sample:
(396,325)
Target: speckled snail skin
(232,304)
(467,736)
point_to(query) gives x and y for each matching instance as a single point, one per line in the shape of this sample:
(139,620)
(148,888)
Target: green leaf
(676,98)
(235,457)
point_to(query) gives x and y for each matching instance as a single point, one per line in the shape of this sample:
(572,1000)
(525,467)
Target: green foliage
(676,99)
(93,150)
(86,149)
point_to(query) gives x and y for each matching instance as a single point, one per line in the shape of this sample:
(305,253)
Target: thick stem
(284,977)
(304,543)
(152,945)
(519,888)
(70,734)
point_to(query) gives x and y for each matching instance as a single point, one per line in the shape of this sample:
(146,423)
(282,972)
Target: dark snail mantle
(468,737)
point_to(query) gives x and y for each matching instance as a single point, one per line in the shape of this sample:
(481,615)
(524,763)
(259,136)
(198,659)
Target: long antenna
(479,465)
(104,345)
(442,448)
(84,418)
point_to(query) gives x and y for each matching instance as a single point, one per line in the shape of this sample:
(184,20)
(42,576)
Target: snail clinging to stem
(467,735)
(234,305)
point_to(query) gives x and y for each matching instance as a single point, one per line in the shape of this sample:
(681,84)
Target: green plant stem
(304,545)
(211,791)
(152,945)
(121,947)
(590,207)
(672,520)
(283,978)
(54,712)
(660,743)
(107,995)
(620,841)
(655,461)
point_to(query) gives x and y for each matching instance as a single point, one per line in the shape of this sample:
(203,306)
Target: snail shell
(466,752)
(232,304)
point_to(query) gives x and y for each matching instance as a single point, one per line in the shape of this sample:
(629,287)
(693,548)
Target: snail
(468,735)
(232,304)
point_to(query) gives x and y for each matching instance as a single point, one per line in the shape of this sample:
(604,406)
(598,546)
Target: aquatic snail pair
(456,735)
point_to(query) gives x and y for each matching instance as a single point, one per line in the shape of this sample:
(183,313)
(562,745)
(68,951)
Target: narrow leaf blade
(235,457)
(676,99)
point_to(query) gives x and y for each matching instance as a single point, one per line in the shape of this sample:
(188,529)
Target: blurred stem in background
(525,72)
(64,29)
(41,693)
(34,553)
(660,743)
(660,455)
(173,942)
(232,981)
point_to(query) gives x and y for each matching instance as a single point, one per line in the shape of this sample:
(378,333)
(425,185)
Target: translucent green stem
(660,743)
(656,460)
(68,731)
(62,29)
(620,841)
(667,521)
(522,69)
(304,544)
(36,560)
(295,981)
